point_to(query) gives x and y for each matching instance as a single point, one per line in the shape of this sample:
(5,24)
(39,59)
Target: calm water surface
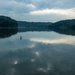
(37,53)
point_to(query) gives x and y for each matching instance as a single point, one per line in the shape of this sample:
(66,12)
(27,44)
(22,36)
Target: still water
(37,53)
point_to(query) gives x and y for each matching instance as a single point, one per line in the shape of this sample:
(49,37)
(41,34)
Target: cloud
(40,4)
(16,7)
(49,10)
(68,12)
(54,14)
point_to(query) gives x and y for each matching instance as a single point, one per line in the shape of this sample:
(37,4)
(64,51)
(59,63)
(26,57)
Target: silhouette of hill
(8,26)
(7,22)
(33,26)
(64,27)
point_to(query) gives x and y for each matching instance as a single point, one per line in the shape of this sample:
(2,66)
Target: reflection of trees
(66,31)
(7,32)
(8,27)
(64,27)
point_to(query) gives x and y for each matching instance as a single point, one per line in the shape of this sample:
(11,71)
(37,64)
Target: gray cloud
(14,6)
(20,9)
(51,3)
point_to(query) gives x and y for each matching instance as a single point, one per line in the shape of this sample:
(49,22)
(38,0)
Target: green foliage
(8,26)
(65,23)
(64,27)
(7,22)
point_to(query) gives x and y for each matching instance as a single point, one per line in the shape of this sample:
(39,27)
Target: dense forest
(7,22)
(33,26)
(64,24)
(64,27)
(8,26)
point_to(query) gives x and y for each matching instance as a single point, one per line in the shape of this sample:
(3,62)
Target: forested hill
(7,22)
(64,24)
(64,27)
(8,26)
(33,24)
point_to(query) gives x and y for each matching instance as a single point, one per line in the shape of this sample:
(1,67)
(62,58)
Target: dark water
(37,53)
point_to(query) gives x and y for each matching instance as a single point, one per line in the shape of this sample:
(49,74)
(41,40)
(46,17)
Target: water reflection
(68,31)
(42,59)
(60,30)
(30,38)
(37,53)
(6,32)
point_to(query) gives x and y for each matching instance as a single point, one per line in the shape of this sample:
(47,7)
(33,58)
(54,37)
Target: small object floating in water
(20,37)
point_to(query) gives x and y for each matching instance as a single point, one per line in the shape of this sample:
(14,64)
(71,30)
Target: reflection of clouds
(12,71)
(65,40)
(45,69)
(15,44)
(29,38)
(37,54)
(31,46)
(44,35)
(33,60)
(42,58)
(40,69)
(49,66)
(16,62)
(34,56)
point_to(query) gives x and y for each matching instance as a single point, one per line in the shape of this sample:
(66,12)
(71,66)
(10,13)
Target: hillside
(8,27)
(64,27)
(33,26)
(65,24)
(7,22)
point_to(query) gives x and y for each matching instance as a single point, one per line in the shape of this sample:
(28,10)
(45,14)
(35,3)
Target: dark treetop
(64,27)
(8,26)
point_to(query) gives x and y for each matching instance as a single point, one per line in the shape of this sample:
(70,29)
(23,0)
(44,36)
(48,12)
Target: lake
(37,53)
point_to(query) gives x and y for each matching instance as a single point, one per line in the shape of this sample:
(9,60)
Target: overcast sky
(38,10)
